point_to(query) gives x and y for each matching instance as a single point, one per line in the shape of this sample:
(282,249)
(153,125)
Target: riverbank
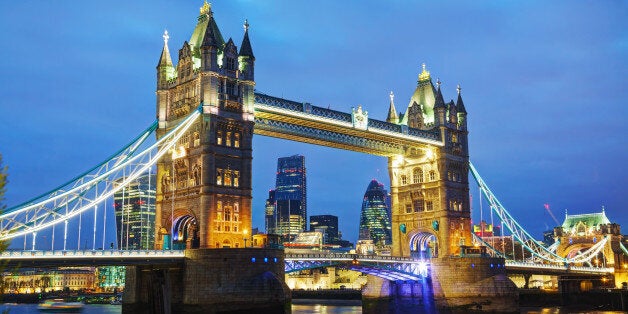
(608,299)
(34,298)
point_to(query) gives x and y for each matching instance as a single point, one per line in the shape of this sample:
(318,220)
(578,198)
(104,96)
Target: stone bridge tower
(204,184)
(579,233)
(429,184)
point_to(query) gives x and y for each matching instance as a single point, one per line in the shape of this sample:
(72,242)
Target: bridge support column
(210,280)
(473,283)
(526,278)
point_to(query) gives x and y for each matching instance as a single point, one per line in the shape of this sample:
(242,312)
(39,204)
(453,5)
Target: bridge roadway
(389,267)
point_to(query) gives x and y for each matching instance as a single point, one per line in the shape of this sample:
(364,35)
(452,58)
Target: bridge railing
(342,256)
(91,254)
(514,264)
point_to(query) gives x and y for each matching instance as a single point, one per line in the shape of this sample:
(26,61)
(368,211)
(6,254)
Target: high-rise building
(135,214)
(375,216)
(328,224)
(269,213)
(290,198)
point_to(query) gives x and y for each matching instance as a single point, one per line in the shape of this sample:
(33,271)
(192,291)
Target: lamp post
(246,233)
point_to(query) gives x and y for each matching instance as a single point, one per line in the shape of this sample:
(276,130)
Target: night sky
(544,84)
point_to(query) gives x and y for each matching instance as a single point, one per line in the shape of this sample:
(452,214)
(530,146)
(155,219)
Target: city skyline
(544,105)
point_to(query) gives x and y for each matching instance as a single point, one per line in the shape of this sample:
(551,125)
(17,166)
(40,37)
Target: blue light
(252,259)
(472,265)
(265,259)
(491,265)
(275,260)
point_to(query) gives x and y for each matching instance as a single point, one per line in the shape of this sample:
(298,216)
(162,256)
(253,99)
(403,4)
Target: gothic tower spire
(392,112)
(246,57)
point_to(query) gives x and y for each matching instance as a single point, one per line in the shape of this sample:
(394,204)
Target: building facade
(204,187)
(135,214)
(374,217)
(328,225)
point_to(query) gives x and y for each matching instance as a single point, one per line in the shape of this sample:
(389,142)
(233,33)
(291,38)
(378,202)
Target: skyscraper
(375,215)
(328,224)
(290,197)
(135,214)
(269,213)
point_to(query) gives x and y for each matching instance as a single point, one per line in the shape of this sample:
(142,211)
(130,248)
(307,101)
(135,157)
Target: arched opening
(598,260)
(185,233)
(424,245)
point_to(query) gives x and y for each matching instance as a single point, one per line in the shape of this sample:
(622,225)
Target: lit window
(228,178)
(236,207)
(219,176)
(227,214)
(218,137)
(236,139)
(228,139)
(236,178)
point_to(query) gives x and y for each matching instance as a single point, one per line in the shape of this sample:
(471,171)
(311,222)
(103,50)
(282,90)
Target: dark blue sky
(544,84)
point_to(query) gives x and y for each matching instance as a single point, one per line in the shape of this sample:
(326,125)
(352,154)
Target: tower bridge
(207,114)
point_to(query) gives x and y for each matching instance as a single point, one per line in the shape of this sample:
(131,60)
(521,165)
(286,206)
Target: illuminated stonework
(204,185)
(429,183)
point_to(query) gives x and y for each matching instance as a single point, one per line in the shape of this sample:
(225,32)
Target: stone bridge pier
(209,280)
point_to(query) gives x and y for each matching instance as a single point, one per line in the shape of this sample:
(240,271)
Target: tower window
(417,175)
(408,208)
(418,206)
(228,139)
(429,206)
(236,178)
(231,89)
(231,65)
(236,139)
(227,214)
(228,178)
(219,137)
(432,175)
(404,180)
(219,176)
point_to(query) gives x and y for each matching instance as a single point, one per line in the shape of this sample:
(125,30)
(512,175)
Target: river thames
(309,306)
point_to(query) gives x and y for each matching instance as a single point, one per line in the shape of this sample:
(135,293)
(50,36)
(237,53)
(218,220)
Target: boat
(60,306)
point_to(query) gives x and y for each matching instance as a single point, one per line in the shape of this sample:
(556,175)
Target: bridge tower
(204,185)
(579,233)
(429,184)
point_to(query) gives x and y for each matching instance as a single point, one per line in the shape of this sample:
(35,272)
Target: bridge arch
(423,245)
(185,232)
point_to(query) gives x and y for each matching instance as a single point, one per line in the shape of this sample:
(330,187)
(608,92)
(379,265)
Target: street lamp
(246,232)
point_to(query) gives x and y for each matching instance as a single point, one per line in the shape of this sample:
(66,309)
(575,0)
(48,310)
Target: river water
(310,306)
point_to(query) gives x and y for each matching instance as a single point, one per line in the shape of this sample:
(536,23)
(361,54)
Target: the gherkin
(375,216)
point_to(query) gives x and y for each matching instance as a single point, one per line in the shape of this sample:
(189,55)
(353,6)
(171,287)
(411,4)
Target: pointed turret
(164,59)
(245,48)
(207,38)
(439,102)
(165,69)
(392,112)
(245,56)
(439,106)
(459,104)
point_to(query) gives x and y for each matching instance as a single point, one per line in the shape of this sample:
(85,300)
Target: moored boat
(60,306)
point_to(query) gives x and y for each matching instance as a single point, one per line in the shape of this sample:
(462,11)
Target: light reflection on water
(310,306)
